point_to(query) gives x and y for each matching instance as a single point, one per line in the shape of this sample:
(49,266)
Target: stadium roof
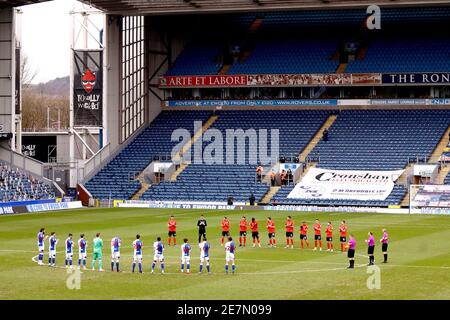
(18,3)
(154,7)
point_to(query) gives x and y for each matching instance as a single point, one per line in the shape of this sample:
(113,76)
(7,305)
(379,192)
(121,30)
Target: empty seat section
(381,139)
(115,180)
(203,182)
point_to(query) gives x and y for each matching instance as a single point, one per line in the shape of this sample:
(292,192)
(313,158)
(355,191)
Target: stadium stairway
(180,169)
(341,68)
(443,174)
(317,137)
(248,41)
(144,187)
(269,195)
(187,147)
(403,180)
(224,69)
(437,152)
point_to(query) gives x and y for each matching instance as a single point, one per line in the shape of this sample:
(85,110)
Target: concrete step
(317,137)
(439,149)
(144,187)
(443,173)
(178,171)
(269,195)
(341,68)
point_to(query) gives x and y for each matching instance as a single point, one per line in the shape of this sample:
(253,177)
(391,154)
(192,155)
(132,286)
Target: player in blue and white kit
(230,248)
(185,256)
(69,250)
(204,255)
(82,245)
(41,237)
(53,241)
(115,252)
(137,257)
(159,254)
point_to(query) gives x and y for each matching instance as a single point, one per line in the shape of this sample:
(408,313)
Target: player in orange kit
(304,234)
(329,233)
(271,232)
(317,235)
(172,226)
(255,233)
(243,231)
(343,235)
(225,229)
(289,232)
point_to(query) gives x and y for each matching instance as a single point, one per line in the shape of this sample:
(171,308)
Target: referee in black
(201,224)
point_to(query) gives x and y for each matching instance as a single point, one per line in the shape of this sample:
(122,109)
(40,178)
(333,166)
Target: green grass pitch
(418,268)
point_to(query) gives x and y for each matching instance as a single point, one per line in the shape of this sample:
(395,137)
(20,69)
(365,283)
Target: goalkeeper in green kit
(98,246)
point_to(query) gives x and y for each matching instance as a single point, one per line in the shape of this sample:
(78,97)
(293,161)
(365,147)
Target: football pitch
(418,267)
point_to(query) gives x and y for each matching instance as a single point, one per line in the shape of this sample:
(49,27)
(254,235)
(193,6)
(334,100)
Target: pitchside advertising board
(435,196)
(345,184)
(88,88)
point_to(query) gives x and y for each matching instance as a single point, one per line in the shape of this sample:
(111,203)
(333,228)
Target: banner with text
(308,79)
(434,78)
(345,184)
(88,88)
(281,80)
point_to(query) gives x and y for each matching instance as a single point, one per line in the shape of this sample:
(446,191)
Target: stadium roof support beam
(157,7)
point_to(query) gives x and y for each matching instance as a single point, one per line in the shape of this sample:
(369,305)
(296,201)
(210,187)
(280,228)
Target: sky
(46,37)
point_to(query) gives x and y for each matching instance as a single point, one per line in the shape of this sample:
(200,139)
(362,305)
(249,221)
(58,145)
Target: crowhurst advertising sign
(345,184)
(88,88)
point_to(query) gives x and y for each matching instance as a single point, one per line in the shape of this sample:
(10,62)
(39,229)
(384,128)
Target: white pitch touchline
(240,273)
(238,259)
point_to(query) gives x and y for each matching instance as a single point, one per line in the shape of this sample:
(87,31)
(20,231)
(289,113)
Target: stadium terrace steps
(403,179)
(443,177)
(224,69)
(255,25)
(177,172)
(405,200)
(309,166)
(269,195)
(144,187)
(435,156)
(341,68)
(197,135)
(317,137)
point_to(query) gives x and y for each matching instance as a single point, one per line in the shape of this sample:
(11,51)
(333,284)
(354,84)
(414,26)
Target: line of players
(349,246)
(205,246)
(116,244)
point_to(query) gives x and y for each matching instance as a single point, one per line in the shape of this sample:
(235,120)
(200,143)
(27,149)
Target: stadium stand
(116,179)
(381,139)
(283,45)
(16,185)
(195,59)
(400,54)
(201,182)
(289,56)
(375,140)
(358,139)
